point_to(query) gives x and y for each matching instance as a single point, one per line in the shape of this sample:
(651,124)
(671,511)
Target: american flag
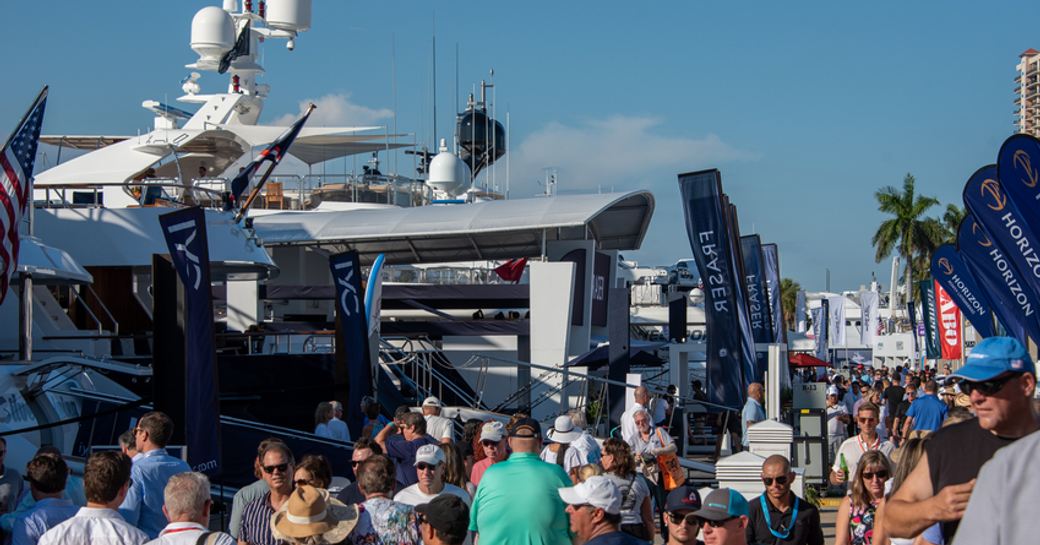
(17,159)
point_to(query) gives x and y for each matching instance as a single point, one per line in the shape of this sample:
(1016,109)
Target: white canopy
(467,232)
(48,265)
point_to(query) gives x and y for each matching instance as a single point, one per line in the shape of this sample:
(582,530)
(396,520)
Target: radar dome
(212,34)
(289,15)
(448,173)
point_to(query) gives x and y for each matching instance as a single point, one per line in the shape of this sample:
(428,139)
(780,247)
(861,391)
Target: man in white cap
(594,508)
(429,464)
(493,443)
(837,420)
(437,426)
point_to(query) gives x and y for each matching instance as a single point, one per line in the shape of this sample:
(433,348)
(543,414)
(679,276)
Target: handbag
(672,474)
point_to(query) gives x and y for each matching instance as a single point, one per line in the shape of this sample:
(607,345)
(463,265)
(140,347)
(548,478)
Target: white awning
(468,232)
(48,265)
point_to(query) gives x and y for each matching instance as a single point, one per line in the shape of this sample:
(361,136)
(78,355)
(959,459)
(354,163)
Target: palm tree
(908,231)
(789,299)
(951,220)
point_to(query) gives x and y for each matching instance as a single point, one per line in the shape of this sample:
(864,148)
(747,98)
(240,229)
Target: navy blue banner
(771,272)
(758,295)
(708,231)
(930,317)
(185,233)
(1017,171)
(1012,239)
(755,364)
(352,334)
(953,275)
(1014,306)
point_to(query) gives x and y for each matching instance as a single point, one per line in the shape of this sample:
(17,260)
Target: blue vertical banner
(1017,170)
(820,327)
(708,232)
(930,317)
(1014,306)
(352,334)
(758,295)
(185,233)
(954,276)
(754,364)
(771,272)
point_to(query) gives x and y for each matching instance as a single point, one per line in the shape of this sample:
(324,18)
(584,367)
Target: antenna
(393,90)
(434,79)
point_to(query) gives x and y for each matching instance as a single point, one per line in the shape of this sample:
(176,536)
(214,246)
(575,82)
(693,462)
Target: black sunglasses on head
(986,387)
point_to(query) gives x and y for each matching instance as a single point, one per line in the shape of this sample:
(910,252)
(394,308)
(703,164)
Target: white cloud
(337,111)
(620,151)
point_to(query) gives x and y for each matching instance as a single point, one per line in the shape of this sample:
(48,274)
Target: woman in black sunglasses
(855,522)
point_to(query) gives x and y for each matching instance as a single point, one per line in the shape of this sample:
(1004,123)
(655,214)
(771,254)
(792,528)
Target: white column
(552,286)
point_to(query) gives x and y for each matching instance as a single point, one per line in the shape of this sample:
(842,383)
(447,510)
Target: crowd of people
(915,454)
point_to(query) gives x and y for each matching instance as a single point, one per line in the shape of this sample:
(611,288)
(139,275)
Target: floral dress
(385,522)
(861,524)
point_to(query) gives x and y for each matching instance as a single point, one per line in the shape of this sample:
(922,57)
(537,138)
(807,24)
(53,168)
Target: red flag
(949,324)
(512,270)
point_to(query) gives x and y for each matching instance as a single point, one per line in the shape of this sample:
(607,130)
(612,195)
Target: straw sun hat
(311,512)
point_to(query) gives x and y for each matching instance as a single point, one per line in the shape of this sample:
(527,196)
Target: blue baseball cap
(993,357)
(722,504)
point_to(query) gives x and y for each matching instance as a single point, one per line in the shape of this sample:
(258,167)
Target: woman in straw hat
(312,517)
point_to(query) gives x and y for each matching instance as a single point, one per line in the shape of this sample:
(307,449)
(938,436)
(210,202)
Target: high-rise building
(1028,100)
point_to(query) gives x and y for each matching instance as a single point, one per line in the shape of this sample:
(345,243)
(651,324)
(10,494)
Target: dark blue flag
(771,271)
(1014,306)
(708,232)
(930,317)
(352,334)
(272,154)
(1017,166)
(185,232)
(953,275)
(1012,239)
(755,364)
(758,296)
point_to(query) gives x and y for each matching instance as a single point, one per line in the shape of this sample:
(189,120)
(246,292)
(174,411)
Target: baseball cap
(722,504)
(832,391)
(493,431)
(994,356)
(684,498)
(432,402)
(430,454)
(448,514)
(597,491)
(526,428)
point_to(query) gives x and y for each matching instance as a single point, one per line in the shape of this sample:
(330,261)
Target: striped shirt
(256,523)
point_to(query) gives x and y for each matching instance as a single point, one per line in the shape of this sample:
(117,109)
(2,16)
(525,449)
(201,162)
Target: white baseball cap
(430,454)
(432,402)
(597,491)
(493,431)
(832,391)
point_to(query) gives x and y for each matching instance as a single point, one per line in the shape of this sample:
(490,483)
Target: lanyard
(769,523)
(863,447)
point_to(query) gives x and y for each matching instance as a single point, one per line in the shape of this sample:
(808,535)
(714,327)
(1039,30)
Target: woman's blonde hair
(860,496)
(589,470)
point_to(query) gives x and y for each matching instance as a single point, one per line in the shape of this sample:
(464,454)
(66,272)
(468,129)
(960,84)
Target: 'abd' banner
(352,334)
(771,270)
(185,233)
(1014,306)
(1012,239)
(953,275)
(758,296)
(949,324)
(930,319)
(708,233)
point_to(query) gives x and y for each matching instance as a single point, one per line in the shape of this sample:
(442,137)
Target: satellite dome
(212,34)
(448,173)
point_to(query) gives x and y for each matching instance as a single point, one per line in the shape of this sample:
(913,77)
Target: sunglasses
(986,387)
(301,482)
(280,468)
(489,443)
(422,466)
(869,475)
(866,420)
(690,519)
(768,481)
(717,523)
(355,463)
(421,519)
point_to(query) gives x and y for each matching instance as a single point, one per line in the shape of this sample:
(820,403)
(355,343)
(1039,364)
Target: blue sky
(807,108)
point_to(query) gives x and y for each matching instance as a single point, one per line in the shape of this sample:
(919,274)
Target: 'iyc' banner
(352,334)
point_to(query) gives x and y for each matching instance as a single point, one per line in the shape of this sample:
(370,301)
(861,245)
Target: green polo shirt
(517,503)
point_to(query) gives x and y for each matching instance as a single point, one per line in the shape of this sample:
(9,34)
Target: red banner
(949,324)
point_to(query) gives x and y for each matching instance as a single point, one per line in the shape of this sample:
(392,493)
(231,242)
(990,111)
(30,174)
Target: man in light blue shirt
(144,501)
(753,410)
(46,474)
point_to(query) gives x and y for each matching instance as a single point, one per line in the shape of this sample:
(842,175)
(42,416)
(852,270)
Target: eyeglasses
(768,481)
(867,420)
(489,443)
(423,466)
(869,475)
(280,468)
(356,463)
(690,519)
(717,523)
(986,387)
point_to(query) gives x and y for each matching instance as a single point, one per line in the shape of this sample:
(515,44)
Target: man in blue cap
(1000,379)
(724,518)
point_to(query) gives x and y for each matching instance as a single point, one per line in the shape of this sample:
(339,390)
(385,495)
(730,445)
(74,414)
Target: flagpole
(256,190)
